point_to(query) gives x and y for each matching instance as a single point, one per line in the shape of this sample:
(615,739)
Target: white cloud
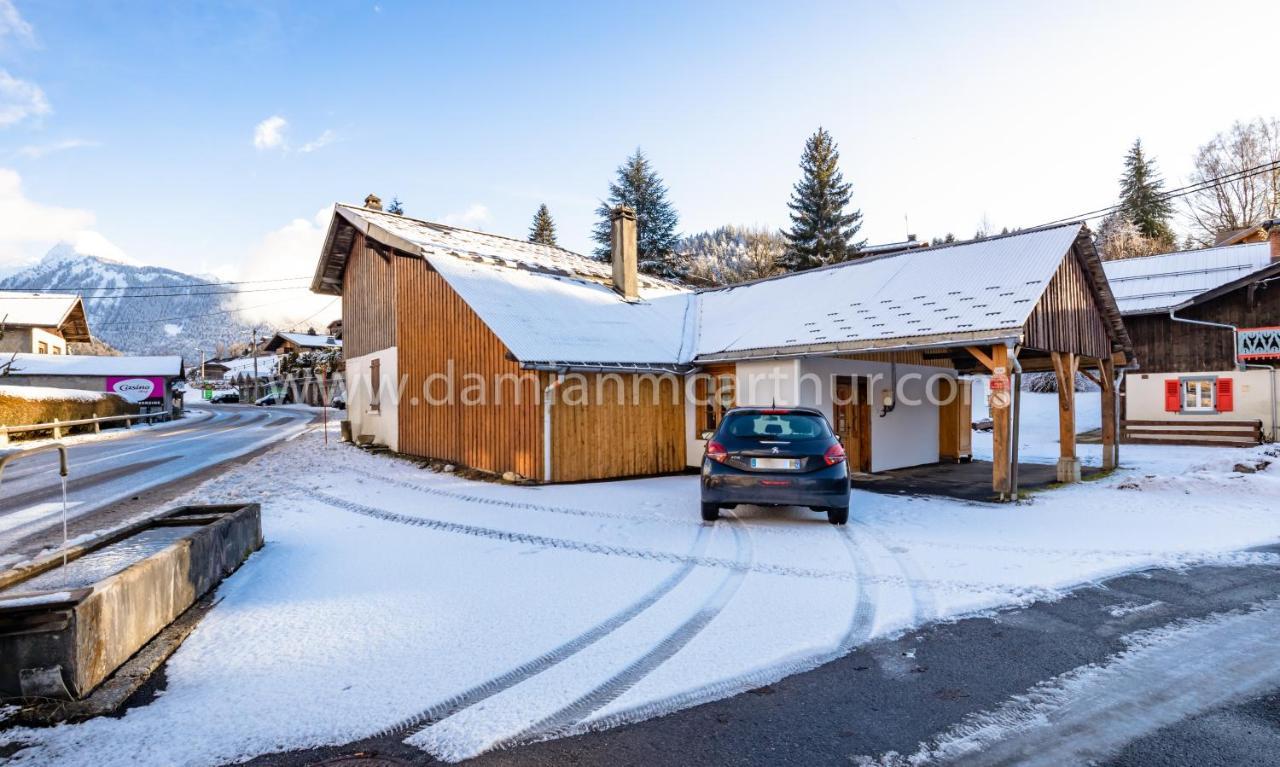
(290,251)
(475,215)
(13,25)
(319,142)
(20,99)
(269,134)
(28,228)
(36,151)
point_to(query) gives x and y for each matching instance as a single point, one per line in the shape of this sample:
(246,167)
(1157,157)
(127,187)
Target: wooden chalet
(1206,329)
(41,323)
(443,327)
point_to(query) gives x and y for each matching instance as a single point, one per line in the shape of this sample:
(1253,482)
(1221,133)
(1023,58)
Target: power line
(178,294)
(187,316)
(77,288)
(1183,191)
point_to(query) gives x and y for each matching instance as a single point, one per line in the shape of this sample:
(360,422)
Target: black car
(775,457)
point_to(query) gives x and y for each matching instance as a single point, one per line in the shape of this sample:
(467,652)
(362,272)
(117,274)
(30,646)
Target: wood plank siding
(438,333)
(617,425)
(1068,317)
(911,357)
(368,300)
(1165,346)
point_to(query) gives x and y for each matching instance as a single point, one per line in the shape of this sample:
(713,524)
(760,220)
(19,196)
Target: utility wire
(73,288)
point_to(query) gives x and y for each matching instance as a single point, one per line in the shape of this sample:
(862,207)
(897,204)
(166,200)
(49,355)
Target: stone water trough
(64,628)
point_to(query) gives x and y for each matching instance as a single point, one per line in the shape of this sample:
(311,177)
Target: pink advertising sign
(140,390)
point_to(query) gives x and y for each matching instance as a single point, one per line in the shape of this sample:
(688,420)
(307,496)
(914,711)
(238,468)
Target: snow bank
(47,393)
(467,616)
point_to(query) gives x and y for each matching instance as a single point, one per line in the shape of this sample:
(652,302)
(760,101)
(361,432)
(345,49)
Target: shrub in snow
(23,405)
(1048,383)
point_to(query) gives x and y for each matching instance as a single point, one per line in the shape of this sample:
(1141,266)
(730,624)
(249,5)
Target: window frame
(1184,390)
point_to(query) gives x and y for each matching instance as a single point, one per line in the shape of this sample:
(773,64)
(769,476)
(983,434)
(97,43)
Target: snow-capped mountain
(136,321)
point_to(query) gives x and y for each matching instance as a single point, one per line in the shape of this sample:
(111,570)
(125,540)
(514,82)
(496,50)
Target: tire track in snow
(859,629)
(571,716)
(497,684)
(923,606)
(1017,591)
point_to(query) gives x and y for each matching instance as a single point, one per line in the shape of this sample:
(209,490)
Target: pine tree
(640,187)
(822,232)
(1140,196)
(396,206)
(543,230)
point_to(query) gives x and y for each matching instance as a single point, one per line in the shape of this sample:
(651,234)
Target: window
(716,394)
(57,350)
(375,386)
(1197,395)
(785,426)
(42,348)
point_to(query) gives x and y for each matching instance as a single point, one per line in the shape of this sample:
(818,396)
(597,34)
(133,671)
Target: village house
(1206,329)
(884,345)
(41,323)
(147,382)
(300,343)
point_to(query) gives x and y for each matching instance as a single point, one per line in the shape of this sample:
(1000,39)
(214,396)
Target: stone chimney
(622,234)
(373,202)
(1273,237)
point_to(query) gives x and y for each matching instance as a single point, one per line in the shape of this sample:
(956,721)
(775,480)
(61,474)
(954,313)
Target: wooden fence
(1202,433)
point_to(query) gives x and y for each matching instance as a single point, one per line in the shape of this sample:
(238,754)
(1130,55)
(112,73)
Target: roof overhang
(608,367)
(343,227)
(937,341)
(1108,306)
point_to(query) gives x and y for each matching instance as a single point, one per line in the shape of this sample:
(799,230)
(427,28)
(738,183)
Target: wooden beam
(987,362)
(1065,365)
(1000,401)
(1097,380)
(1110,418)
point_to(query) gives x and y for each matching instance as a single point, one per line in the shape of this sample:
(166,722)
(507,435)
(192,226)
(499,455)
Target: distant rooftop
(1156,284)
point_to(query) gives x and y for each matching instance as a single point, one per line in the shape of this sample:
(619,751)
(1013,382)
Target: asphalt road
(105,472)
(1162,667)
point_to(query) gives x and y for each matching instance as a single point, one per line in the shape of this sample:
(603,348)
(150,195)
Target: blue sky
(141,129)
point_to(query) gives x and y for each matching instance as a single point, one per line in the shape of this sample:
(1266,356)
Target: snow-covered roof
(305,341)
(988,286)
(549,318)
(91,365)
(1156,284)
(552,307)
(428,239)
(244,366)
(45,310)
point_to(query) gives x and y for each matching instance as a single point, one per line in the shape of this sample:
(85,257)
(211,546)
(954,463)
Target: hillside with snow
(139,309)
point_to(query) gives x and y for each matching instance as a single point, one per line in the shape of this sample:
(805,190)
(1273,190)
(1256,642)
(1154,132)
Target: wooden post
(1000,401)
(4,435)
(57,430)
(97,427)
(1065,365)
(1110,421)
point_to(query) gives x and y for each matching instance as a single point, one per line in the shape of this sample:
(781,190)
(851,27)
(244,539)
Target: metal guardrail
(96,422)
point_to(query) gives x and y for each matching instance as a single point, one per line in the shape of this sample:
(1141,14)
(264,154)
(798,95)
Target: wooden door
(955,416)
(852,420)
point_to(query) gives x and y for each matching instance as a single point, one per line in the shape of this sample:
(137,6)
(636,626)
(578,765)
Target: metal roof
(964,289)
(1156,284)
(92,365)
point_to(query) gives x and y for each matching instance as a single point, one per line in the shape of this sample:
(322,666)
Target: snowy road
(462,617)
(103,471)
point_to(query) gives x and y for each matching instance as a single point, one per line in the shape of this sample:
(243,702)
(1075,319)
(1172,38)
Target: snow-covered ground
(465,616)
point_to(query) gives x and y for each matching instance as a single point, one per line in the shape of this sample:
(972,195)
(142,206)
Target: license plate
(774,463)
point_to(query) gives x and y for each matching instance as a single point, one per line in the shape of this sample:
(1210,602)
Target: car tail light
(716,452)
(834,454)
(774,412)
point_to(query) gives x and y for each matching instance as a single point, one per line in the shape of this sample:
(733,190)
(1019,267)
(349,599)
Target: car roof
(779,409)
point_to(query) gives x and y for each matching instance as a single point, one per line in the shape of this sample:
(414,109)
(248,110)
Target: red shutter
(1226,395)
(1172,395)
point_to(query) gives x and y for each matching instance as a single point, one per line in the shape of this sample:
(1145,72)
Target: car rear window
(776,426)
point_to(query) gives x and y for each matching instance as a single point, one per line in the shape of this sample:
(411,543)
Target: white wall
(54,341)
(383,425)
(908,436)
(1144,398)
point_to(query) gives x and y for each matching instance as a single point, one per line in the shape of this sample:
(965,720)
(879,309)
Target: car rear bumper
(727,485)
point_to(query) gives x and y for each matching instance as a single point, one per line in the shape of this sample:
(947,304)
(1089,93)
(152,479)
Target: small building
(41,323)
(1206,328)
(145,381)
(509,356)
(301,343)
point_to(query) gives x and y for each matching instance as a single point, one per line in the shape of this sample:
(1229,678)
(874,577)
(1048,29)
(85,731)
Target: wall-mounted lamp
(887,403)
